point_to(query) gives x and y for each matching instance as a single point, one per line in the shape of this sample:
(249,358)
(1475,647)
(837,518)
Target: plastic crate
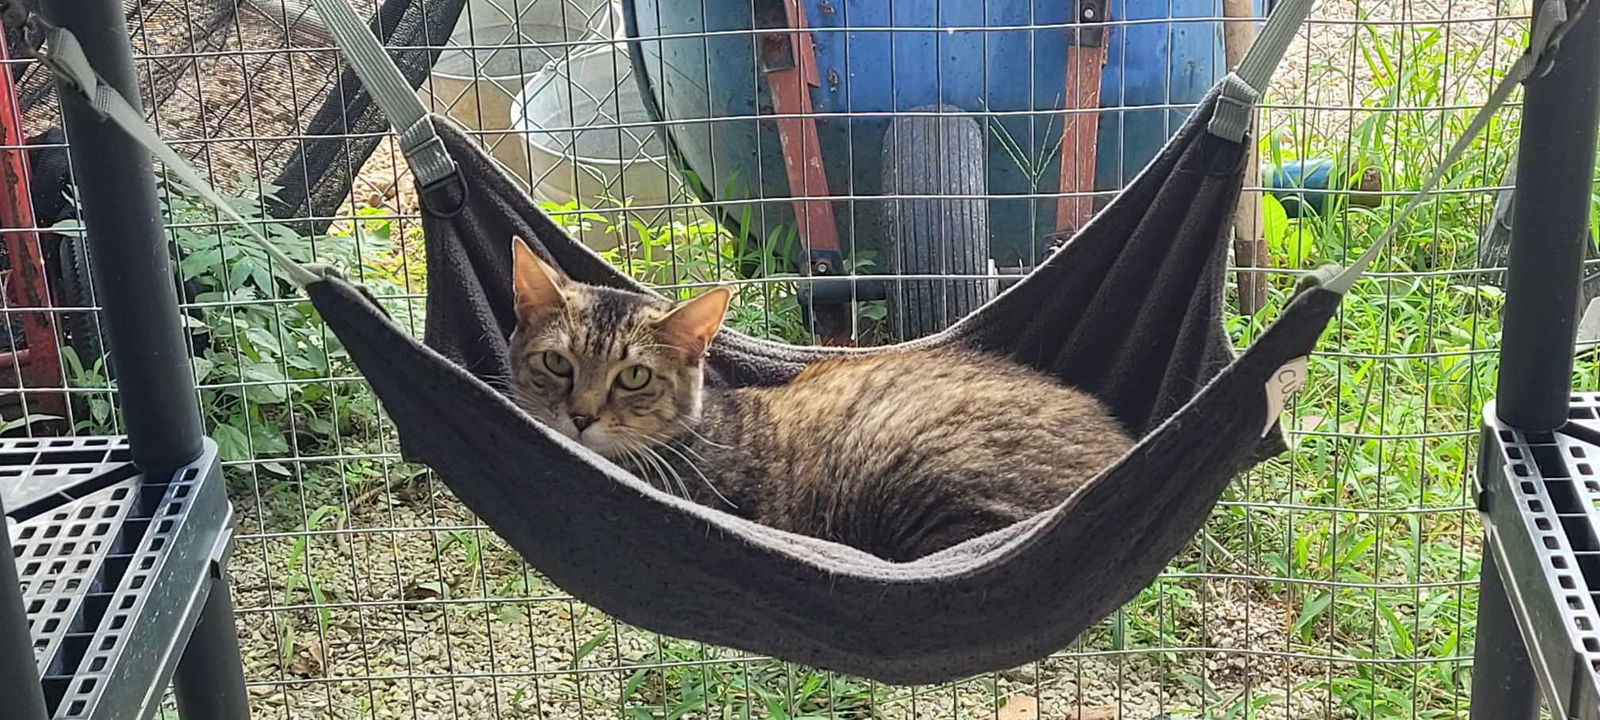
(1540,495)
(114,567)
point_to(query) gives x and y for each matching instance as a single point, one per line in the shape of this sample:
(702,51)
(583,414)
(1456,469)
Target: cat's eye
(633,377)
(557,363)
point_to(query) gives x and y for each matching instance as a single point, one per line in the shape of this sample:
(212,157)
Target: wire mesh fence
(1336,581)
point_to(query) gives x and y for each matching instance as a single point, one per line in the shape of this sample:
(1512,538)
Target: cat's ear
(538,288)
(691,325)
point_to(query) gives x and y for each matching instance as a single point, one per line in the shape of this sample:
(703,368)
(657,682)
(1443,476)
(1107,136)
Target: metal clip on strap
(1550,23)
(1244,86)
(429,161)
(65,58)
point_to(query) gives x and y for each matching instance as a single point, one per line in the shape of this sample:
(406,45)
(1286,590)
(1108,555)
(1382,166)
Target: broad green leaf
(202,368)
(1274,224)
(1299,246)
(232,443)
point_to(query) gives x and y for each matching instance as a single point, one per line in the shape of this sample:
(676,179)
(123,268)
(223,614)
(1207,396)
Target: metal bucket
(496,46)
(588,136)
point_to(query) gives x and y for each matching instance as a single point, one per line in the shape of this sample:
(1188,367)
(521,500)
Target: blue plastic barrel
(1313,186)
(874,57)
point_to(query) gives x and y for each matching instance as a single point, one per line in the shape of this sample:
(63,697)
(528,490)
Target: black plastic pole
(1503,686)
(210,679)
(132,277)
(20,690)
(1549,229)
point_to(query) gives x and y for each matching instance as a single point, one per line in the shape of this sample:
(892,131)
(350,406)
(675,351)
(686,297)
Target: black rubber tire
(83,329)
(935,155)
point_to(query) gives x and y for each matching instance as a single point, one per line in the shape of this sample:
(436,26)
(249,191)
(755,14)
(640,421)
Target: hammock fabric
(1129,309)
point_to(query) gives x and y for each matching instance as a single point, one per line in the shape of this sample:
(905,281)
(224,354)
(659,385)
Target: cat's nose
(582,422)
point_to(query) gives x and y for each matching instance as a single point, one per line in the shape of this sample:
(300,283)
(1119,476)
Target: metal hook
(1545,52)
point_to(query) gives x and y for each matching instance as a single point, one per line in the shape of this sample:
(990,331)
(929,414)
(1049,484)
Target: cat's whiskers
(668,473)
(668,446)
(640,468)
(626,461)
(686,427)
(682,486)
(501,383)
(657,346)
(636,439)
(686,447)
(643,444)
(528,403)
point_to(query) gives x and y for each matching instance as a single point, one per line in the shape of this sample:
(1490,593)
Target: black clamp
(29,25)
(1089,17)
(1545,46)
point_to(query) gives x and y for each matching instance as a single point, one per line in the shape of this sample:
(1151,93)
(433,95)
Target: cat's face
(610,369)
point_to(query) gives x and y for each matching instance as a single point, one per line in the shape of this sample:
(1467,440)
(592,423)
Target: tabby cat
(899,454)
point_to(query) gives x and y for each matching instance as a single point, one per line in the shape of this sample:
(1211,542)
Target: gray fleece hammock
(1129,309)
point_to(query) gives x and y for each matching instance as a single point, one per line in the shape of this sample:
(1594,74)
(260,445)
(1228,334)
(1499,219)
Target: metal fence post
(1549,230)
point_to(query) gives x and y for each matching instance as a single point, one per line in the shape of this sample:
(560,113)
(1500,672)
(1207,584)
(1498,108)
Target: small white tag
(1589,326)
(1281,386)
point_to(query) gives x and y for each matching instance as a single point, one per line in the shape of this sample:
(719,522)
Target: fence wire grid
(1337,581)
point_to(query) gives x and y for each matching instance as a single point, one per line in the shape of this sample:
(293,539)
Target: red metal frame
(24,283)
(1080,134)
(1080,130)
(790,64)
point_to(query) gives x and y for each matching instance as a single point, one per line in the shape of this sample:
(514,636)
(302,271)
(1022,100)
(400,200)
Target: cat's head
(608,368)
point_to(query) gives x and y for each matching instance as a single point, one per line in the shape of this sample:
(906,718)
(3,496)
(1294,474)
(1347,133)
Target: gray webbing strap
(1243,87)
(64,56)
(394,96)
(1550,23)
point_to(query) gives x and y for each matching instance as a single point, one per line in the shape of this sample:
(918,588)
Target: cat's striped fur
(898,453)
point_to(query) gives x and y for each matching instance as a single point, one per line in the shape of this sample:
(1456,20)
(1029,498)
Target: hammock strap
(423,149)
(1551,21)
(64,56)
(1243,87)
